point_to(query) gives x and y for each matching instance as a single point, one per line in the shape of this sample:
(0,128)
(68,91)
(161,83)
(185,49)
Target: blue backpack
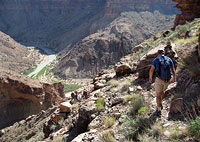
(164,71)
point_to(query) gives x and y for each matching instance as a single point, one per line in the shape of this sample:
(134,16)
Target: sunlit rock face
(190,9)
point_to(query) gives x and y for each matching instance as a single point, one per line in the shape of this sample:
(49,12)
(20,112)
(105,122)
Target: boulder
(65,107)
(57,117)
(85,116)
(98,85)
(137,48)
(122,69)
(2,132)
(176,106)
(145,62)
(116,101)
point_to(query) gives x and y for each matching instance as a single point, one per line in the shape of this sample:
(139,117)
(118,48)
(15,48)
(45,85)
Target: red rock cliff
(21,96)
(190,9)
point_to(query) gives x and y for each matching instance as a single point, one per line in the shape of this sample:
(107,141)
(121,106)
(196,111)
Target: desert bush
(182,29)
(100,104)
(136,103)
(119,86)
(108,121)
(133,125)
(128,98)
(108,137)
(194,127)
(193,39)
(53,127)
(177,133)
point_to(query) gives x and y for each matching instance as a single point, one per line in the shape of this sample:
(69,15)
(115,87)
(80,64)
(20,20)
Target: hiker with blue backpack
(165,74)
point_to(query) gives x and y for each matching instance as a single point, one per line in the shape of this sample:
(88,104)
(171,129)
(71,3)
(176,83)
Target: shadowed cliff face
(21,96)
(190,9)
(59,23)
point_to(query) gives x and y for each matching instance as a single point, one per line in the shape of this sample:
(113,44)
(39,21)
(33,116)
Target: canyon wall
(21,96)
(57,24)
(107,46)
(190,9)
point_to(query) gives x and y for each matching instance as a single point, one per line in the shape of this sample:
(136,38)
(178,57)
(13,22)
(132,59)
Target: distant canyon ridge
(57,24)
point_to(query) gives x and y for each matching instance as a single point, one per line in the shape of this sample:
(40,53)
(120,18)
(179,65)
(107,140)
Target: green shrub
(61,121)
(100,104)
(136,103)
(53,127)
(108,121)
(128,98)
(194,127)
(108,137)
(142,110)
(133,125)
(177,133)
(182,29)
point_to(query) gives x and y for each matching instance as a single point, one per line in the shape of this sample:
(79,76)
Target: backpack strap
(159,68)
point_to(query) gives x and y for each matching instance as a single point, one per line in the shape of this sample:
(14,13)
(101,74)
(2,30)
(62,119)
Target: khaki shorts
(161,85)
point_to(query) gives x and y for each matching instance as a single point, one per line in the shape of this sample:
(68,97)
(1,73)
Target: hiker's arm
(151,73)
(173,74)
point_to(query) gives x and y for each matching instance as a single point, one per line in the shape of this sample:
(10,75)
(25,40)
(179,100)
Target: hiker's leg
(162,95)
(165,85)
(158,99)
(159,89)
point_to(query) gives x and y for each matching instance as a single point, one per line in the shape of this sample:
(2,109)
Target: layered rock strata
(190,9)
(21,96)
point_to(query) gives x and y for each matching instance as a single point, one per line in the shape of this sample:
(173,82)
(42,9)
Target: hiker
(165,74)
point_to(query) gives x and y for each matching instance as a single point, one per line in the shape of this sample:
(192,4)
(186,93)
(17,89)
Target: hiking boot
(161,106)
(158,113)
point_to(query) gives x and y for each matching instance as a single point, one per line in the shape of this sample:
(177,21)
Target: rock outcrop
(47,22)
(21,96)
(190,9)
